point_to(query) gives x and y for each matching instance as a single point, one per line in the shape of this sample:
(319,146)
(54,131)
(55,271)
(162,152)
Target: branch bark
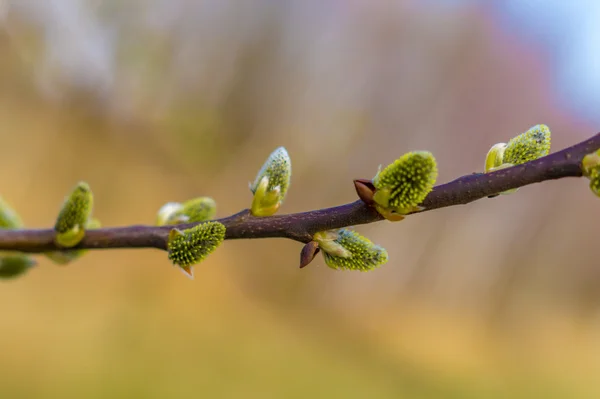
(302,226)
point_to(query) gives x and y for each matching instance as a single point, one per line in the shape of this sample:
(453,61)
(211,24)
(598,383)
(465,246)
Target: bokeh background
(163,100)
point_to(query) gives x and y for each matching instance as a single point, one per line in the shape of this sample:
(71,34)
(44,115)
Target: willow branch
(302,226)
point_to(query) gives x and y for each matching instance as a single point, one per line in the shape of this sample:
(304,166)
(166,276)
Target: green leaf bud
(346,249)
(271,183)
(191,246)
(73,216)
(404,184)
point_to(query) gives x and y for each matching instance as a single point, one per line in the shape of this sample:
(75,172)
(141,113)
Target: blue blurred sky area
(568,31)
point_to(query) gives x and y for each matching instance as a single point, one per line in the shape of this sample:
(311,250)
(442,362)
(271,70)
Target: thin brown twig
(302,226)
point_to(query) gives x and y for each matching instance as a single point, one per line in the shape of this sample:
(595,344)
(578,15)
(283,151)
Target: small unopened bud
(308,253)
(365,190)
(271,183)
(191,246)
(73,216)
(404,184)
(346,249)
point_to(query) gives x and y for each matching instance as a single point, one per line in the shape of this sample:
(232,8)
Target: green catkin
(278,169)
(67,256)
(73,216)
(191,246)
(271,183)
(404,184)
(347,250)
(528,146)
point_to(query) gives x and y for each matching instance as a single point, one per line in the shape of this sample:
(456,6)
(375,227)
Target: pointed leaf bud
(308,253)
(346,249)
(73,216)
(404,184)
(365,190)
(14,265)
(271,183)
(528,146)
(191,246)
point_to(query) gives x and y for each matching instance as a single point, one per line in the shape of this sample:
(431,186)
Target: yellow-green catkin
(189,247)
(67,256)
(12,264)
(73,216)
(195,210)
(591,169)
(271,183)
(347,250)
(404,184)
(528,146)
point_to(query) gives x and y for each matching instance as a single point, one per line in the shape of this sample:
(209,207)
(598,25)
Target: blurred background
(164,100)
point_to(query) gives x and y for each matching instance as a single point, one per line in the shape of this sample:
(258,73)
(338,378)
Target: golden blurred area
(498,298)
